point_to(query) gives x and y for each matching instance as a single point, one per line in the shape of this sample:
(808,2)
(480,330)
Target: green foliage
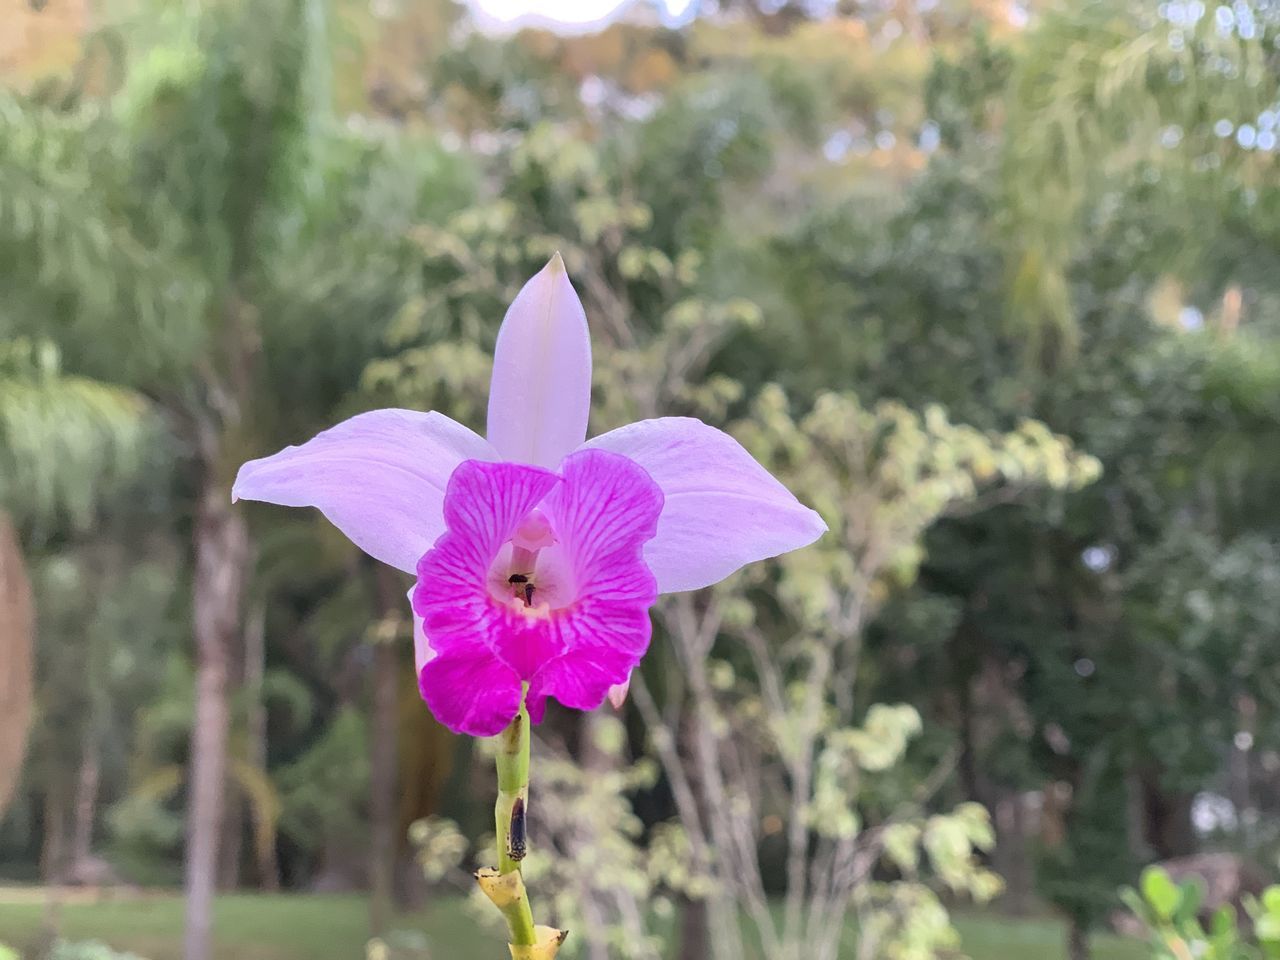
(1009,549)
(324,791)
(1174,918)
(328,927)
(203,230)
(67,444)
(76,264)
(906,921)
(143,833)
(1101,89)
(1079,875)
(586,851)
(109,632)
(881,477)
(88,950)
(1210,601)
(440,847)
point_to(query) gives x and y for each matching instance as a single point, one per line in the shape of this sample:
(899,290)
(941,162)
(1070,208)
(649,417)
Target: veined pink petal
(582,678)
(422,652)
(470,691)
(584,623)
(604,512)
(465,684)
(379,478)
(540,394)
(483,508)
(618,693)
(723,509)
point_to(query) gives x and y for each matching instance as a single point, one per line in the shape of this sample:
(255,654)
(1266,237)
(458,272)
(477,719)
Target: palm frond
(67,443)
(78,257)
(1102,90)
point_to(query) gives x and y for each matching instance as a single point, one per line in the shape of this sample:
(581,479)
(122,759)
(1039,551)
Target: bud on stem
(513,791)
(504,886)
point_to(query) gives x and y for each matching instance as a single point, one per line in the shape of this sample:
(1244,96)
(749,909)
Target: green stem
(513,790)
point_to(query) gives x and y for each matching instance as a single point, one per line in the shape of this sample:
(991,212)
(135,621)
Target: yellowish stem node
(548,945)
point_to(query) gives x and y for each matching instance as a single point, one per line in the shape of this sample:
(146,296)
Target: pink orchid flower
(537,555)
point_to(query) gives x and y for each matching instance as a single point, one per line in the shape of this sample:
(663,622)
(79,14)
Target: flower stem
(509,818)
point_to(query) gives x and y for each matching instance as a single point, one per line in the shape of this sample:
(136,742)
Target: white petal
(540,394)
(723,510)
(379,478)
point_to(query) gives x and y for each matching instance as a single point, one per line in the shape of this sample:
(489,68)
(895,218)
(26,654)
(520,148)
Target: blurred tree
(41,42)
(740,206)
(169,237)
(17,679)
(67,445)
(1102,89)
(659,324)
(107,633)
(1035,622)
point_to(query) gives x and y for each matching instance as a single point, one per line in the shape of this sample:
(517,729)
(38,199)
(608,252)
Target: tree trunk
(53,848)
(1011,858)
(383,762)
(234,803)
(1239,785)
(17,629)
(1078,941)
(695,931)
(598,756)
(1170,832)
(231,838)
(255,667)
(86,802)
(384,757)
(221,553)
(714,920)
(382,786)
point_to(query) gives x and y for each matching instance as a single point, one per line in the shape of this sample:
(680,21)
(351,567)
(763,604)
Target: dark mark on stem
(516,846)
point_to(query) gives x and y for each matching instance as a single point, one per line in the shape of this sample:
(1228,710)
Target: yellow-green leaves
(953,841)
(846,754)
(902,846)
(906,920)
(880,477)
(440,846)
(1161,893)
(884,735)
(1172,913)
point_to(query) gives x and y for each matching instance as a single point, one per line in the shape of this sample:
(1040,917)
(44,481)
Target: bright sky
(567,11)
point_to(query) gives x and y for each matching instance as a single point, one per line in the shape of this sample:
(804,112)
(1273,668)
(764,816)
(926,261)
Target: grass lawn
(290,927)
(990,937)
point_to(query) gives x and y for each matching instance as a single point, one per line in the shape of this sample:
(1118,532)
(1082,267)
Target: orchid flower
(537,552)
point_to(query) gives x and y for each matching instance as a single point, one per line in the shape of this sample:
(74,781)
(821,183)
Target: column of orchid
(538,554)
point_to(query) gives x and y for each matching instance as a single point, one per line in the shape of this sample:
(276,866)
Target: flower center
(523,566)
(523,587)
(529,574)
